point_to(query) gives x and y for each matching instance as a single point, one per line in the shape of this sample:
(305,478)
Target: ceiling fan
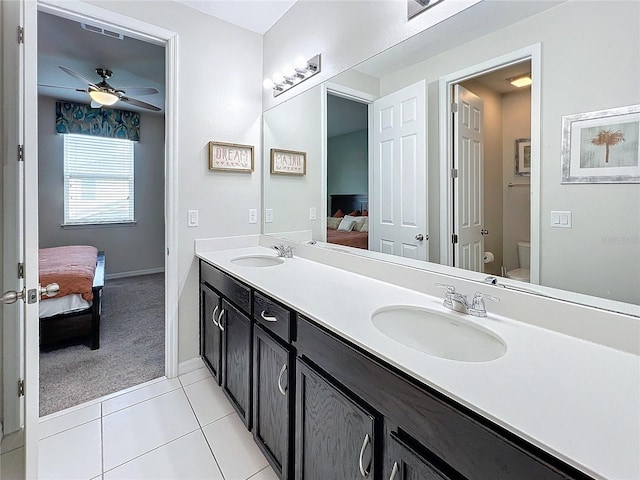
(102,93)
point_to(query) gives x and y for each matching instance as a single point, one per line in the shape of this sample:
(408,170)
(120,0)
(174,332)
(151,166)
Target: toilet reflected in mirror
(523,272)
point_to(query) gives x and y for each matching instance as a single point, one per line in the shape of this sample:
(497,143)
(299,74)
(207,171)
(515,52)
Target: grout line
(213,454)
(145,400)
(259,471)
(149,451)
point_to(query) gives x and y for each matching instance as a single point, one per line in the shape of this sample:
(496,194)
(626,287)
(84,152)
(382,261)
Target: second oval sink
(257,261)
(438,334)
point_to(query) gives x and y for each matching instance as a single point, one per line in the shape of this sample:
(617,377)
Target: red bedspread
(349,239)
(72,267)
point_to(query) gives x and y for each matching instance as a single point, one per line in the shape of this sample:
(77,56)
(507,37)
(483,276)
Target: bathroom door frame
(446,141)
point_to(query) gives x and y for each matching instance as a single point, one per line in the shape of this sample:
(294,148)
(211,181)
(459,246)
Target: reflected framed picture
(288,162)
(602,146)
(230,157)
(523,156)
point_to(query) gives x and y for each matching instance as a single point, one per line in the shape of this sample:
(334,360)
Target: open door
(468,221)
(18,248)
(398,223)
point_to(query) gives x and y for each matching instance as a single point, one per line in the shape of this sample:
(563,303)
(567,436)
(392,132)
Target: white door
(398,203)
(18,243)
(468,161)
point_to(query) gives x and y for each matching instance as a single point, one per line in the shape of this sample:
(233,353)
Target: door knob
(50,290)
(484,231)
(420,237)
(11,296)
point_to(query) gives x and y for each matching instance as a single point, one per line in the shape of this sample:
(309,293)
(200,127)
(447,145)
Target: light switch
(253,215)
(192,218)
(561,219)
(268,215)
(312,213)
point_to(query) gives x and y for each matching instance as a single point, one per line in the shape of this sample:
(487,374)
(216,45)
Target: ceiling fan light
(103,98)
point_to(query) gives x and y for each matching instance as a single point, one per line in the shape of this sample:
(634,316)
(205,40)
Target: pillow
(364,227)
(355,213)
(338,214)
(359,221)
(333,222)
(365,213)
(346,225)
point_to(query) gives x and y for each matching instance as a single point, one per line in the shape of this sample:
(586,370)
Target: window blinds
(98,180)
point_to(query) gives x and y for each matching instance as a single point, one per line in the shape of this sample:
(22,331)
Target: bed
(79,271)
(345,204)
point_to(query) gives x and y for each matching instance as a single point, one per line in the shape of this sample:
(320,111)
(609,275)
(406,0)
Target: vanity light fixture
(521,80)
(293,75)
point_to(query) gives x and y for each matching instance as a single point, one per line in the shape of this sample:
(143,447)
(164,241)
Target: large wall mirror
(479,186)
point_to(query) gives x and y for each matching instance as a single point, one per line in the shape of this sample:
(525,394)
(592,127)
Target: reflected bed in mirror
(579,242)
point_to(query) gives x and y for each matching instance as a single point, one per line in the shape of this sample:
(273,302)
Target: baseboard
(133,273)
(190,365)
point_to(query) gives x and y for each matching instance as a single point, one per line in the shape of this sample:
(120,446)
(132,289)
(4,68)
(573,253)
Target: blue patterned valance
(102,122)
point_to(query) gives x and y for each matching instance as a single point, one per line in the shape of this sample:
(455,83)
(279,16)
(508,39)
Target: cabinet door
(236,364)
(210,338)
(271,399)
(334,435)
(404,463)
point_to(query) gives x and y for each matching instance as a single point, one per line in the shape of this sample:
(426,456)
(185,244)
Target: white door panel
(468,186)
(399,174)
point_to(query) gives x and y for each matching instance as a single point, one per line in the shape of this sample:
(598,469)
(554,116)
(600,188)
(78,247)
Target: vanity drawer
(272,316)
(231,288)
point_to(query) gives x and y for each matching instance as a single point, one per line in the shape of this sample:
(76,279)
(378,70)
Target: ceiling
(255,15)
(64,42)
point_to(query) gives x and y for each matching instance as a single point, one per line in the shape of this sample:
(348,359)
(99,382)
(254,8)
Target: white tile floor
(182,428)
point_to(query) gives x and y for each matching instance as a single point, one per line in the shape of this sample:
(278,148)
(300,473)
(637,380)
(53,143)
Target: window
(98,180)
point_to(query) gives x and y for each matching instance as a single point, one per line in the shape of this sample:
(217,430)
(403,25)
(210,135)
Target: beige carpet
(131,347)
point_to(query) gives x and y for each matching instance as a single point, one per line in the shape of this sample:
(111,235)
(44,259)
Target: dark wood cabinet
(404,462)
(210,338)
(236,359)
(335,436)
(272,395)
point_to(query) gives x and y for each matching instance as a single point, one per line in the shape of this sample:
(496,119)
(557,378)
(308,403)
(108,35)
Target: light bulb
(268,83)
(277,78)
(301,63)
(103,98)
(288,71)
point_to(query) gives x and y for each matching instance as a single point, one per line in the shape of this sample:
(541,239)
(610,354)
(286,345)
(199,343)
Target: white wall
(295,125)
(517,200)
(219,98)
(132,248)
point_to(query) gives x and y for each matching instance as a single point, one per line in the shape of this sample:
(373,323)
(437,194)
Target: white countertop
(575,399)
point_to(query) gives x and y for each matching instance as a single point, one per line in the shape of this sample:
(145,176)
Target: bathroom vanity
(327,394)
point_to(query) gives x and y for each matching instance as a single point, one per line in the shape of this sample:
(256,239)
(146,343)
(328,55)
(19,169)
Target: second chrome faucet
(460,303)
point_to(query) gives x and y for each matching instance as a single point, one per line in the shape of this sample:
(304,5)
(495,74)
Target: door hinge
(454,173)
(20,34)
(20,153)
(454,238)
(21,388)
(454,107)
(20,270)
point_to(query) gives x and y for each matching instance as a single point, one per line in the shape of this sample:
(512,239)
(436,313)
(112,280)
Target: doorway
(489,168)
(103,192)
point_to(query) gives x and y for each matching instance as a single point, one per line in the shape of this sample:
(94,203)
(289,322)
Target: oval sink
(257,261)
(438,334)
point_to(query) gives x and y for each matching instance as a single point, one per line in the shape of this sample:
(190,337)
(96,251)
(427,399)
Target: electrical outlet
(268,215)
(253,215)
(192,218)
(312,213)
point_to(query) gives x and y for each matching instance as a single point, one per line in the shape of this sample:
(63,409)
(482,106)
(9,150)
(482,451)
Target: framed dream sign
(288,162)
(230,157)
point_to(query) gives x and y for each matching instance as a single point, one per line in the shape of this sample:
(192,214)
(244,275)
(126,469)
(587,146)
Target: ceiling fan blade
(77,75)
(138,103)
(60,86)
(138,91)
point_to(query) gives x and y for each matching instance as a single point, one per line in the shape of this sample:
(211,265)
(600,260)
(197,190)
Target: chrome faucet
(283,250)
(460,303)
